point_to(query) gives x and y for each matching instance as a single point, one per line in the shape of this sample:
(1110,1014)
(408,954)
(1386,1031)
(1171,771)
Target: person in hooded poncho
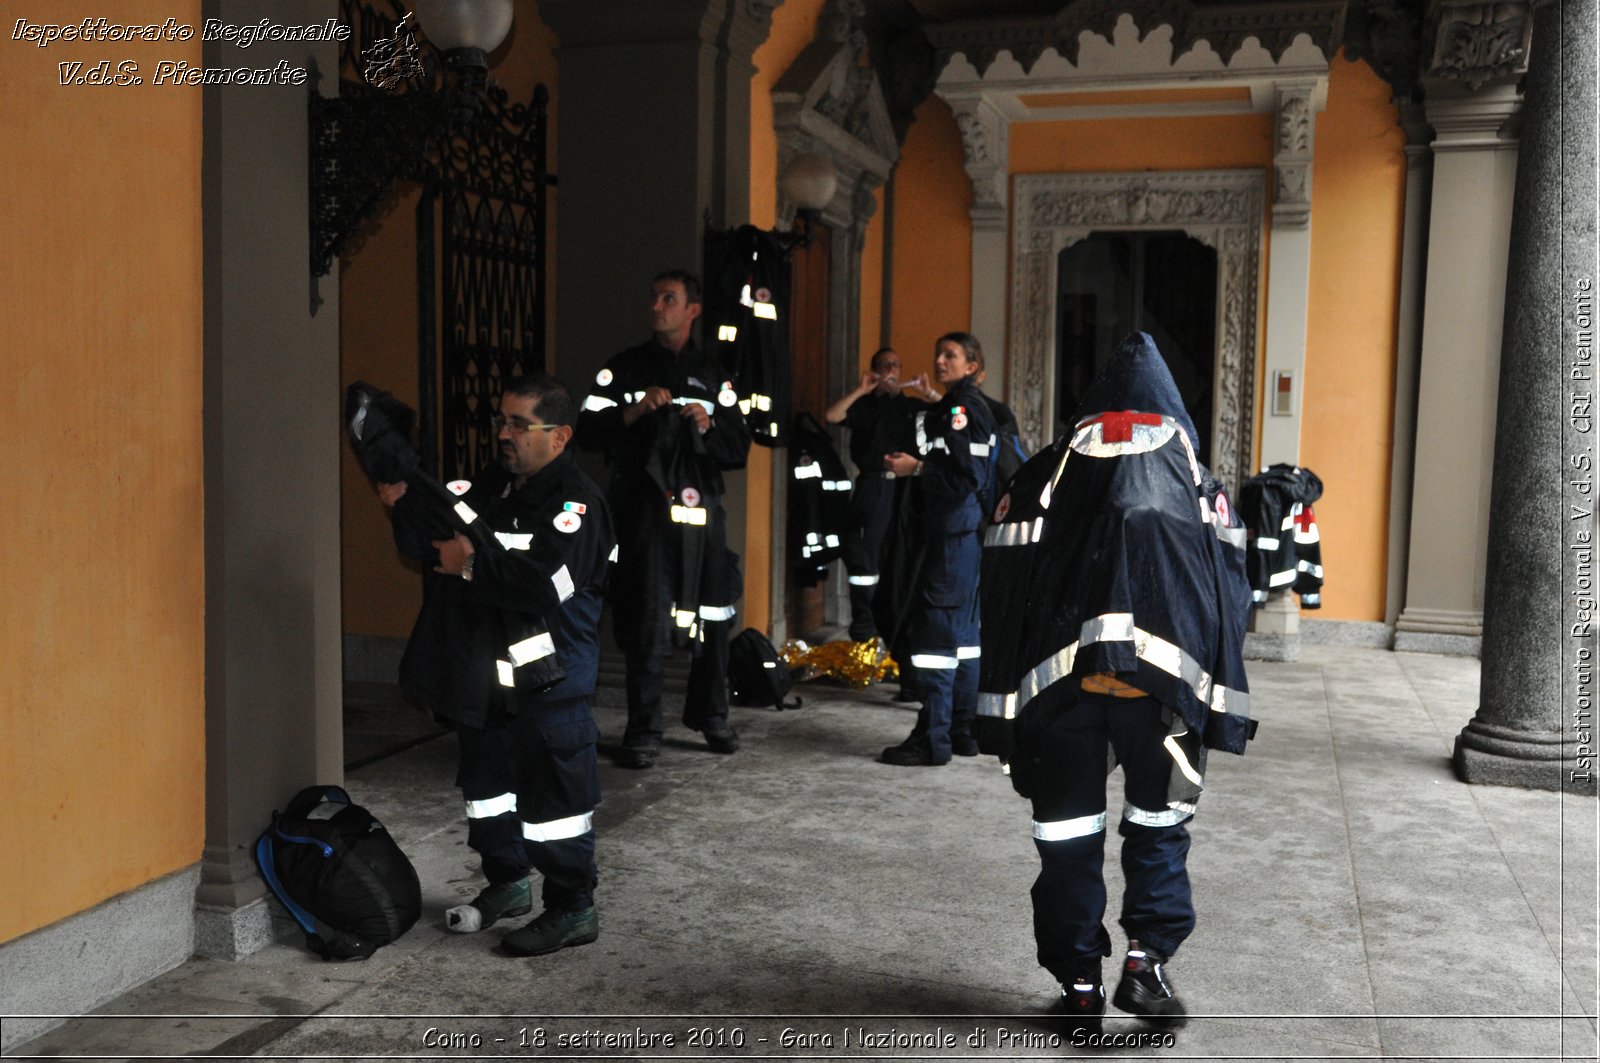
(1114,606)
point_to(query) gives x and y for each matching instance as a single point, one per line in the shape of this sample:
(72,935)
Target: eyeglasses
(518,428)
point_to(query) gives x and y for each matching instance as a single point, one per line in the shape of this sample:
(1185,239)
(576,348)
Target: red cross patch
(1003,508)
(690,497)
(1118,427)
(1305,519)
(568,522)
(958,418)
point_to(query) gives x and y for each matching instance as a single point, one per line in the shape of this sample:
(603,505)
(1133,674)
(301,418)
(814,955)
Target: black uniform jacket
(1285,544)
(525,629)
(819,501)
(1115,551)
(666,492)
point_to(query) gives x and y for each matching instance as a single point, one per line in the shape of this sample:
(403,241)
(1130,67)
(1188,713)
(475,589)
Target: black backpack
(339,873)
(756,674)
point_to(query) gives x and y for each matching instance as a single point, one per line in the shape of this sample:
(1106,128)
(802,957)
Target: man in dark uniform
(879,420)
(1114,606)
(504,608)
(669,422)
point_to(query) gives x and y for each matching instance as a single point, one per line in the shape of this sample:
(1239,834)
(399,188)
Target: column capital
(1477,44)
(1294,143)
(986,143)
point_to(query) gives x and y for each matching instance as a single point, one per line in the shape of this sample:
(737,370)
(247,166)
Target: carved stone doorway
(1223,209)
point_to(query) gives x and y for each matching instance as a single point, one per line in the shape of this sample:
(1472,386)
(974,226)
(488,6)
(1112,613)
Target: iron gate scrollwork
(481,252)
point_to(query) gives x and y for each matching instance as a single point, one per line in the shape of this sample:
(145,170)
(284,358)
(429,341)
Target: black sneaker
(494,902)
(637,756)
(721,737)
(964,745)
(1144,990)
(553,930)
(1082,1004)
(911,755)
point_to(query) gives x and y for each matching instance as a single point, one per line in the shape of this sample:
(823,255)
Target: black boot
(1082,1004)
(1144,990)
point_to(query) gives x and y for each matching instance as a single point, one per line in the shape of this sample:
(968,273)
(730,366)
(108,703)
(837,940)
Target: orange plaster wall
(1346,435)
(932,238)
(102,629)
(378,343)
(793,26)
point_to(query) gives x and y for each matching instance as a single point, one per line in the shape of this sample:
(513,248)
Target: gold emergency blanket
(856,663)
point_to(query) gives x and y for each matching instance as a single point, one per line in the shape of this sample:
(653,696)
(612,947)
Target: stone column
(1275,627)
(1408,350)
(1524,733)
(274,704)
(986,140)
(1471,100)
(1289,270)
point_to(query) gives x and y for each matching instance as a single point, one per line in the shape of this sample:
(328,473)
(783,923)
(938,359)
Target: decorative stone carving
(1224,208)
(986,142)
(1478,43)
(1225,27)
(1291,159)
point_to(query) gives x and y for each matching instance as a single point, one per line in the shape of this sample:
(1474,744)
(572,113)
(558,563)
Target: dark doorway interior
(1114,283)
(809,282)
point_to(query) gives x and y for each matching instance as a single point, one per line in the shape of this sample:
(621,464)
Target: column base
(231,934)
(1274,633)
(1490,755)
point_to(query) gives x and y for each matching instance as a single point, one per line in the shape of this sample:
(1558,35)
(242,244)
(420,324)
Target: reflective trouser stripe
(556,829)
(1000,706)
(863,581)
(968,653)
(507,673)
(1064,830)
(1168,817)
(532,649)
(492,806)
(933,661)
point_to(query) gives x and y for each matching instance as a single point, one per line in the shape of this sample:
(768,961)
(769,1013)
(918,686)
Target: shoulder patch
(574,507)
(458,487)
(567,522)
(603,377)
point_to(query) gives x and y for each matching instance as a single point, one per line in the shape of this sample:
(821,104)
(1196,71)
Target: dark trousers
(944,643)
(706,704)
(1068,767)
(531,784)
(871,507)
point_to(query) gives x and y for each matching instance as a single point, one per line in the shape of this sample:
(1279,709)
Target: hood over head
(1137,378)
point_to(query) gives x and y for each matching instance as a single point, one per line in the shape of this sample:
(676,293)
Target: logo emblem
(690,497)
(568,522)
(574,507)
(959,419)
(1224,516)
(603,377)
(763,295)
(1003,508)
(458,487)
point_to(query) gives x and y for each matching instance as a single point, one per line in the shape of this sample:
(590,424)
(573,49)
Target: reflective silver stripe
(766,310)
(1288,522)
(1309,568)
(1234,537)
(1310,599)
(1064,830)
(688,515)
(466,512)
(968,653)
(1258,596)
(717,612)
(1152,649)
(562,581)
(1170,817)
(504,669)
(532,649)
(1226,699)
(613,556)
(492,806)
(515,540)
(1311,535)
(979,450)
(921,421)
(1282,579)
(556,829)
(831,540)
(808,472)
(863,581)
(933,661)
(836,485)
(1000,706)
(705,404)
(595,403)
(1265,543)
(1019,534)
(1181,759)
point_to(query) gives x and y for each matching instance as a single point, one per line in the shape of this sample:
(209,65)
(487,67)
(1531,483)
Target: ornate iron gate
(481,236)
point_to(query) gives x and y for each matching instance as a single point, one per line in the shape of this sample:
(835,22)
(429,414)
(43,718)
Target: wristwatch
(466,567)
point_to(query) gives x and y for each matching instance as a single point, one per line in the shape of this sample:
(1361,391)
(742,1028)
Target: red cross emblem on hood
(1118,427)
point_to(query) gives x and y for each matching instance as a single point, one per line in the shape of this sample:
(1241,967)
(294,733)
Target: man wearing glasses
(511,624)
(669,422)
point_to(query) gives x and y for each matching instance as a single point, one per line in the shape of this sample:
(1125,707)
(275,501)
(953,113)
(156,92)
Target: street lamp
(809,183)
